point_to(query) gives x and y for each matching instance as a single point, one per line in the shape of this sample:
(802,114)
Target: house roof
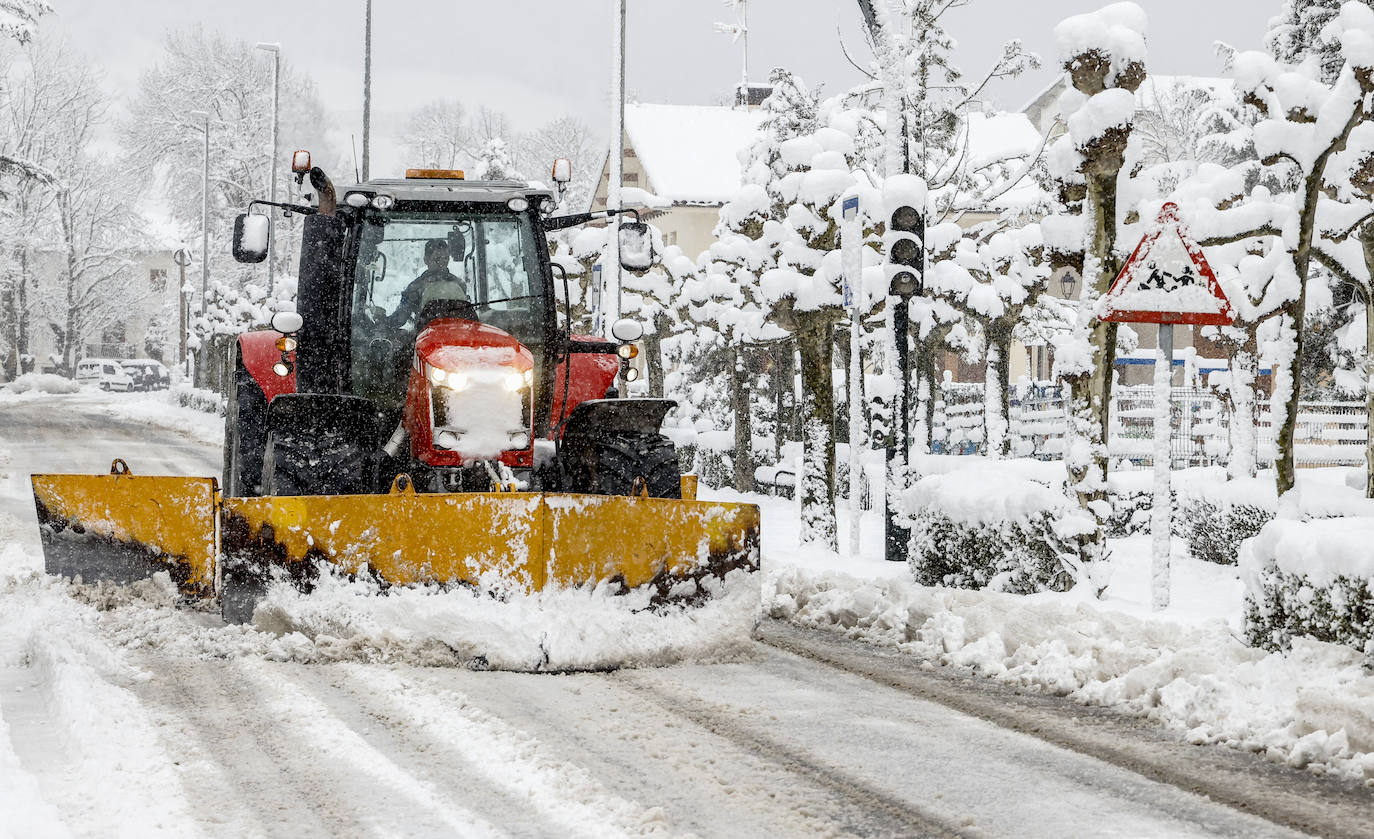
(993,137)
(691,152)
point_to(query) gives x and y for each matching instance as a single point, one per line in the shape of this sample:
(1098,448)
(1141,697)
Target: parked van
(107,373)
(147,374)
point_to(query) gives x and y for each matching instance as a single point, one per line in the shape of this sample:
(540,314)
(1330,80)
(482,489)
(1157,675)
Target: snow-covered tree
(1103,53)
(567,137)
(924,95)
(1318,135)
(230,80)
(70,203)
(494,163)
(1299,32)
(994,279)
(19,18)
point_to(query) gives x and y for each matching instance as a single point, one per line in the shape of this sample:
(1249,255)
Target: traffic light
(906,251)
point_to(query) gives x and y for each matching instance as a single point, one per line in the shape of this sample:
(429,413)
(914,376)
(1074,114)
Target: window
(490,260)
(631,177)
(629,152)
(672,240)
(157,281)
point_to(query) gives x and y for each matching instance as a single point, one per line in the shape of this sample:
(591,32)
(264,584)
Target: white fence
(1327,434)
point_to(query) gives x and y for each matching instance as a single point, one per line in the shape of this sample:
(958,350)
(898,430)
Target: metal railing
(1327,433)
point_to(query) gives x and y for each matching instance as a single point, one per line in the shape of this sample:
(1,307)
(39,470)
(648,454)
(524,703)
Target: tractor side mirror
(250,237)
(636,246)
(562,171)
(626,330)
(287,323)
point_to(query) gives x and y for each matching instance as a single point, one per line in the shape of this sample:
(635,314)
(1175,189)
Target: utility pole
(367,88)
(275,49)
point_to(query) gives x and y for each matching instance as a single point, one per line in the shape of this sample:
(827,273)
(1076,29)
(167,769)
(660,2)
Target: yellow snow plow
(124,527)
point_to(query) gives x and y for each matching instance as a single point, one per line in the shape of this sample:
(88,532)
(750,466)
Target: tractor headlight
(451,379)
(514,381)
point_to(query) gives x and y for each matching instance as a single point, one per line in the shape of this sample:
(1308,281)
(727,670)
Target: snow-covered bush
(43,383)
(199,399)
(986,528)
(1215,528)
(1312,578)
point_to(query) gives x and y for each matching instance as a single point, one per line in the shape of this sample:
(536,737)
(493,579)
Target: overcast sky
(539,59)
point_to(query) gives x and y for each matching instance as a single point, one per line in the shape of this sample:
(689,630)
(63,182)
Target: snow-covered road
(107,728)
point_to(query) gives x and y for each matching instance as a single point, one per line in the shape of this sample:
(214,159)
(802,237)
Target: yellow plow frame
(124,527)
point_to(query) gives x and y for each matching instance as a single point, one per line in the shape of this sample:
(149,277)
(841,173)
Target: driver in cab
(435,285)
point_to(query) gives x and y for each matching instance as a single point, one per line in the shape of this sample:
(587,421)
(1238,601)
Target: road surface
(801,735)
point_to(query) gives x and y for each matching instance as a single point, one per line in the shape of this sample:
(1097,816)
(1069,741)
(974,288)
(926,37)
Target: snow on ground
(1184,667)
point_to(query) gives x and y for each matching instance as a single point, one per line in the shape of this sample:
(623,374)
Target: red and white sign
(1167,280)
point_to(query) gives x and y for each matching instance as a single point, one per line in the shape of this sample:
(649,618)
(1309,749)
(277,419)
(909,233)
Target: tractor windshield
(415,266)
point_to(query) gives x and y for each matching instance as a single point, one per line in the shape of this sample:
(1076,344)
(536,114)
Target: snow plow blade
(523,542)
(124,528)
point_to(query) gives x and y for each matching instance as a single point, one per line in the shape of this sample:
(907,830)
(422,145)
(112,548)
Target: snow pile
(98,725)
(351,621)
(553,630)
(43,383)
(1311,707)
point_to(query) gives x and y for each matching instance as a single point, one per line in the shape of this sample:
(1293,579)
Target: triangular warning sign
(1167,280)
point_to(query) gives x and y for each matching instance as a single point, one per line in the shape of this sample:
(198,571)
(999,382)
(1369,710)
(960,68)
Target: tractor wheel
(245,437)
(240,591)
(619,463)
(315,462)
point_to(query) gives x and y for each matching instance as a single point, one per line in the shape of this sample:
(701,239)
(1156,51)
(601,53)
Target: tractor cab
(431,342)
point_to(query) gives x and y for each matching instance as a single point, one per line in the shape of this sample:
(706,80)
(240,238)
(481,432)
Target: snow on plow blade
(524,541)
(123,527)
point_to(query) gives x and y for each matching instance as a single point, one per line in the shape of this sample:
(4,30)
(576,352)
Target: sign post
(1166,281)
(851,232)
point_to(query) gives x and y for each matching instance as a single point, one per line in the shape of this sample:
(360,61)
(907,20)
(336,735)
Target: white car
(107,373)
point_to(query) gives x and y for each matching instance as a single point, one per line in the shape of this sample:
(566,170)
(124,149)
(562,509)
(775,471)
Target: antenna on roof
(354,140)
(739,30)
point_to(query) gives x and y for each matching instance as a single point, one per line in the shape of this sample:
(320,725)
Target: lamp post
(275,49)
(204,116)
(367,88)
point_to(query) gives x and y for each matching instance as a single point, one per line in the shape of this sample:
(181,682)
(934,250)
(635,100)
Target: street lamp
(367,90)
(275,49)
(1067,281)
(204,116)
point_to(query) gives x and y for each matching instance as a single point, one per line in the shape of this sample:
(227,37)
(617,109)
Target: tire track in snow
(860,808)
(705,781)
(232,770)
(300,760)
(1239,781)
(470,746)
